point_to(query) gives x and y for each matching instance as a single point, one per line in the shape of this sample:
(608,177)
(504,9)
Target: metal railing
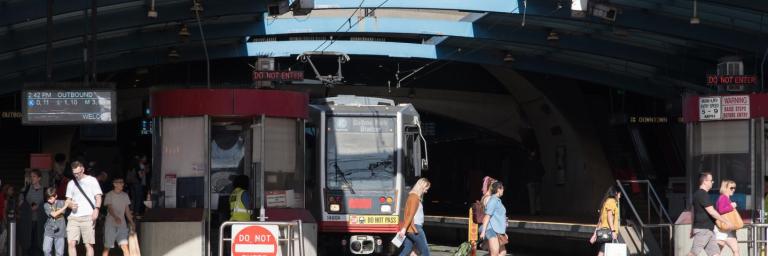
(757,243)
(287,232)
(653,201)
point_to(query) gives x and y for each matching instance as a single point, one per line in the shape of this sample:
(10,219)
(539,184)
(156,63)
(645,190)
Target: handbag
(604,235)
(503,239)
(133,244)
(615,249)
(734,218)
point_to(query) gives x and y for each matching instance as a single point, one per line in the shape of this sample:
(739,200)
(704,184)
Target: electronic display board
(68,106)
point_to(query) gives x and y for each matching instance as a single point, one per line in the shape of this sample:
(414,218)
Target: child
(115,228)
(55,227)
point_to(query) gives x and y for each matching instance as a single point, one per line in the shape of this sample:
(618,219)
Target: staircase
(647,228)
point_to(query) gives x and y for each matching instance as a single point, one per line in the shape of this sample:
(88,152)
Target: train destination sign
(68,106)
(278,75)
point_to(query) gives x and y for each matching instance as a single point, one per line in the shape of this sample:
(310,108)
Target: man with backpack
(85,192)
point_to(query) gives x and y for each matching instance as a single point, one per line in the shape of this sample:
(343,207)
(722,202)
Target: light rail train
(363,155)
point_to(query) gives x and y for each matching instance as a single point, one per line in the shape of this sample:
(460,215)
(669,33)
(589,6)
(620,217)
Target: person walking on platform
(85,193)
(137,178)
(487,182)
(55,227)
(609,218)
(119,212)
(704,215)
(7,203)
(31,215)
(240,200)
(413,215)
(495,222)
(725,205)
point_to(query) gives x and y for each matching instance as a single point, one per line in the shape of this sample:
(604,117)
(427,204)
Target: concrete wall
(171,238)
(587,172)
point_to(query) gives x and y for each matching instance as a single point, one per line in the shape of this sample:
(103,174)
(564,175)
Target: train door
(412,163)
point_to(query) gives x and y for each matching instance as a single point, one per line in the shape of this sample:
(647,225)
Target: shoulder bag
(734,218)
(603,235)
(84,195)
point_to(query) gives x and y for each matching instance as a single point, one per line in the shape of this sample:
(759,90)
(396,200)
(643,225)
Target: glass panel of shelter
(724,149)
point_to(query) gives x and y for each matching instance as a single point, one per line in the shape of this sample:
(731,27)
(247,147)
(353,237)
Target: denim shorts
(489,233)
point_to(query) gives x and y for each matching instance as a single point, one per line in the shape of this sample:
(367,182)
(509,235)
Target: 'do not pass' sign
(255,240)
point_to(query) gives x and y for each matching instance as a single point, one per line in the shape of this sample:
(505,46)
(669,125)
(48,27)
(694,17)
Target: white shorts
(722,236)
(115,234)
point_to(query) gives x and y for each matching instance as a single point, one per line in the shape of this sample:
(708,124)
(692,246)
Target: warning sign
(735,107)
(255,240)
(709,108)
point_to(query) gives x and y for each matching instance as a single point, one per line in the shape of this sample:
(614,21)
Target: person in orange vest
(239,200)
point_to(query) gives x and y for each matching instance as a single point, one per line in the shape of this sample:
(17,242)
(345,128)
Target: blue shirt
(498,213)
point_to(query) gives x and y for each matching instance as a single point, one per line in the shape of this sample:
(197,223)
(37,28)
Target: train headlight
(335,207)
(386,208)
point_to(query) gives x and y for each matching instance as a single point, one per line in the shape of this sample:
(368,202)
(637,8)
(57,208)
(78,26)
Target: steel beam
(130,18)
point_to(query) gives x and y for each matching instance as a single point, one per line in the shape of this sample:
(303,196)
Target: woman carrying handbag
(495,222)
(608,225)
(725,206)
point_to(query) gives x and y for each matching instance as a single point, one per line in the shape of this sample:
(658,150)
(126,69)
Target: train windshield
(360,153)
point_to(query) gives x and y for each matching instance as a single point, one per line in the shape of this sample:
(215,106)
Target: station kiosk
(726,135)
(202,138)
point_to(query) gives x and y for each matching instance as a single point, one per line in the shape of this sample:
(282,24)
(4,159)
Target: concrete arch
(586,172)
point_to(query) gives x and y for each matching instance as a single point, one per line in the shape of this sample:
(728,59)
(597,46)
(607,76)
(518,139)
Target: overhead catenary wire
(347,21)
(205,50)
(522,26)
(366,15)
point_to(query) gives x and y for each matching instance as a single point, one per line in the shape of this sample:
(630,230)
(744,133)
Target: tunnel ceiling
(650,48)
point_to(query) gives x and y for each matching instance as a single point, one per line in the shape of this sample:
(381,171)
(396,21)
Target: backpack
(478,212)
(464,249)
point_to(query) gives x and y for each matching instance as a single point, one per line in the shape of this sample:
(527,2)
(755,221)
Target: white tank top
(418,219)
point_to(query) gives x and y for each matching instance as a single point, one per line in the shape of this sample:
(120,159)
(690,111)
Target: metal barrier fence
(287,234)
(757,243)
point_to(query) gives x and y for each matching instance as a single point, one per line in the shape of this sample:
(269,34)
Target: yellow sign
(373,219)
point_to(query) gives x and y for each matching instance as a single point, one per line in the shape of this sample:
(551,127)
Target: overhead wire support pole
(196,8)
(49,43)
(92,48)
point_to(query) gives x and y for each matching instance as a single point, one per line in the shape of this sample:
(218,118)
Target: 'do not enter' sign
(255,240)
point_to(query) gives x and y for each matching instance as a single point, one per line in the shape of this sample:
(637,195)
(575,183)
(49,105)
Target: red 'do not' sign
(254,241)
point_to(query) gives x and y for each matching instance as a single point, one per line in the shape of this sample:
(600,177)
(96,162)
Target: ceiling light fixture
(173,54)
(509,58)
(695,19)
(152,13)
(196,6)
(553,36)
(184,31)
